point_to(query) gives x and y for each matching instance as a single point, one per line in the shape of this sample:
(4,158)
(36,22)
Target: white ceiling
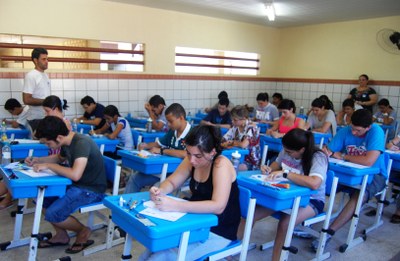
(289,13)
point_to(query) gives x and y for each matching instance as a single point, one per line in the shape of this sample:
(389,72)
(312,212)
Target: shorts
(317,206)
(59,209)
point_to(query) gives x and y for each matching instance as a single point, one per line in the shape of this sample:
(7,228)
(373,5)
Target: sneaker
(315,243)
(302,234)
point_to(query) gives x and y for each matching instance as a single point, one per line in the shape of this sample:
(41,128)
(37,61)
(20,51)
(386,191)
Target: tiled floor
(381,244)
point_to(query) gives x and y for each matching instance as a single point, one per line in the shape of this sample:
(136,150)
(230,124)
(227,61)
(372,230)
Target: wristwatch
(81,121)
(161,151)
(285,173)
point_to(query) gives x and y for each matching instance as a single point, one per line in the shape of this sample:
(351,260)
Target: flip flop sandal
(79,247)
(395,219)
(47,244)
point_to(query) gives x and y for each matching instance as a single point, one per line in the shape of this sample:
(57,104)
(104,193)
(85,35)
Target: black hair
(205,138)
(348,103)
(11,104)
(37,52)
(224,101)
(296,139)
(87,100)
(176,109)
(287,104)
(240,112)
(328,102)
(156,100)
(361,118)
(111,111)
(277,95)
(318,103)
(383,102)
(262,96)
(222,94)
(53,102)
(365,76)
(50,127)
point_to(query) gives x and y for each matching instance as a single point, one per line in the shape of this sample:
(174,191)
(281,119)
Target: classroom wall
(301,62)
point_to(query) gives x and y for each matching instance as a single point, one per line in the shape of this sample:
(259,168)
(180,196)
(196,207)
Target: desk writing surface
(109,144)
(318,136)
(150,165)
(272,198)
(166,234)
(352,176)
(84,127)
(21,150)
(146,136)
(137,122)
(18,133)
(26,187)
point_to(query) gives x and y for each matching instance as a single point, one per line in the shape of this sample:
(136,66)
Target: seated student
(303,164)
(265,112)
(244,135)
(86,170)
(14,107)
(277,98)
(362,143)
(220,117)
(287,121)
(6,199)
(120,127)
(220,95)
(344,116)
(214,190)
(171,144)
(93,113)
(321,119)
(328,103)
(386,116)
(53,106)
(156,110)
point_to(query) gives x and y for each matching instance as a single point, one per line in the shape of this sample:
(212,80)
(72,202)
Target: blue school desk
(84,128)
(395,156)
(17,133)
(141,135)
(26,147)
(152,165)
(263,127)
(22,187)
(386,129)
(274,144)
(321,138)
(278,200)
(137,122)
(105,144)
(356,176)
(228,153)
(165,234)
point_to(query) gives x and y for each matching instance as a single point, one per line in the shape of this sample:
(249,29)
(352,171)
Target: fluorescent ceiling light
(270,11)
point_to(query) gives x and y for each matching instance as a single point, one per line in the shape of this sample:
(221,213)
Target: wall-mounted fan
(389,40)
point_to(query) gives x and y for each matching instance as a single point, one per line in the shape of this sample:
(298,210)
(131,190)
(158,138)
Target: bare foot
(83,235)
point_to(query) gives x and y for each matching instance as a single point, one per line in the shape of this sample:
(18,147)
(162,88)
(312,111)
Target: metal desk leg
(289,233)
(183,245)
(126,254)
(351,241)
(164,172)
(36,224)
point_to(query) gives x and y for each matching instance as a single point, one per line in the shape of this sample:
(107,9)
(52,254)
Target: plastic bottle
(75,126)
(149,124)
(6,154)
(301,110)
(236,159)
(3,131)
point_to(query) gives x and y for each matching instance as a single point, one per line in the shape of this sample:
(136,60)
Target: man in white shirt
(36,87)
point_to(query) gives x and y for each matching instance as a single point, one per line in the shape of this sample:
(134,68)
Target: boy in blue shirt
(171,144)
(362,143)
(219,117)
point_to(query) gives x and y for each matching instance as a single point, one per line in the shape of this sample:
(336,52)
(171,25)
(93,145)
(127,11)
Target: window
(195,60)
(72,54)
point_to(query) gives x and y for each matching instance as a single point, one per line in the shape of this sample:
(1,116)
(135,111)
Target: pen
(268,185)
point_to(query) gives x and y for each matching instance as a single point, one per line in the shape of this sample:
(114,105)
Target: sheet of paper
(152,211)
(264,178)
(393,151)
(26,141)
(346,163)
(34,174)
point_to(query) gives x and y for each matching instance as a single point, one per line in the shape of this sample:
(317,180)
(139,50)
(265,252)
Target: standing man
(85,167)
(36,87)
(362,143)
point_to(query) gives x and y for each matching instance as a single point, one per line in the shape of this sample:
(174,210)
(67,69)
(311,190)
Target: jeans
(138,180)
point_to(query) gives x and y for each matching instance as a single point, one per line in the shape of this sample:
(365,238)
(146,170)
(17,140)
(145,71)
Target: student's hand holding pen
(155,192)
(265,169)
(30,161)
(274,175)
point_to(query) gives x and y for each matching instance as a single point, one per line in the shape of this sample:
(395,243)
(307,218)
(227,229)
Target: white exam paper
(152,211)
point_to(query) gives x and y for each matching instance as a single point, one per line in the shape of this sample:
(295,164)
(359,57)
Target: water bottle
(3,131)
(236,160)
(75,126)
(189,118)
(301,110)
(149,126)
(6,154)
